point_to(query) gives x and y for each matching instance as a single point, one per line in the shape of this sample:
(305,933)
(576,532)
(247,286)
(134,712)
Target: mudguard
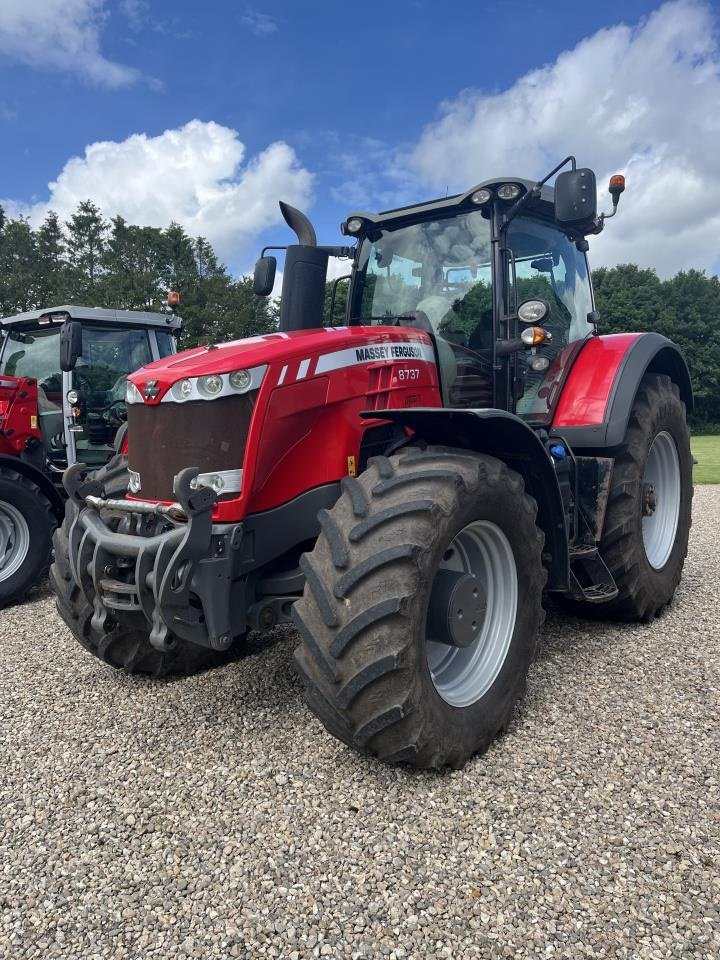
(507,437)
(594,407)
(41,480)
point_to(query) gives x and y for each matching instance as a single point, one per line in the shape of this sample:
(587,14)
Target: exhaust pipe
(304,275)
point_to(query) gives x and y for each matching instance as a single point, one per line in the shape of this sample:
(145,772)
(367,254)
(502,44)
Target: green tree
(86,241)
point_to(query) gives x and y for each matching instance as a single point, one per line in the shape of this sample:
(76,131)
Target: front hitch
(124,573)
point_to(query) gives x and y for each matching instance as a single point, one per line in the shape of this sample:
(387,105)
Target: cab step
(590,579)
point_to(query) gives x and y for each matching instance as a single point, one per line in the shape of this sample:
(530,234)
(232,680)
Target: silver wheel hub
(14,540)
(660,500)
(472,612)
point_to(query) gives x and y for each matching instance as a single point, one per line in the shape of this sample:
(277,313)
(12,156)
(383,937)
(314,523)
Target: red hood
(270,348)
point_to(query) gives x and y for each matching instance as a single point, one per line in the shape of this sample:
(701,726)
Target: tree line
(111,263)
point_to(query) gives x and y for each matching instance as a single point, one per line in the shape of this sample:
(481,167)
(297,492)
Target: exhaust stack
(304,275)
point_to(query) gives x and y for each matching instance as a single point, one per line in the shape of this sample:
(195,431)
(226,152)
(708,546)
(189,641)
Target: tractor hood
(302,354)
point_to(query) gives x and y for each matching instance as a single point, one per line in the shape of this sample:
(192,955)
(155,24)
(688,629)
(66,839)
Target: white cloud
(258,23)
(639,100)
(197,175)
(61,35)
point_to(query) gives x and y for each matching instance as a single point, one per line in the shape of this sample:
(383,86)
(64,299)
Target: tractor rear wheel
(422,606)
(122,646)
(647,523)
(27,522)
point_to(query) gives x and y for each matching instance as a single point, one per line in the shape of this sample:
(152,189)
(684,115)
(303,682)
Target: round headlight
(481,196)
(508,191)
(132,394)
(211,385)
(354,225)
(240,380)
(533,311)
(182,390)
(538,364)
(73,397)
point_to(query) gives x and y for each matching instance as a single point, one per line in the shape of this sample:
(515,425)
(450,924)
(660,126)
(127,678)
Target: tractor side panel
(19,423)
(312,429)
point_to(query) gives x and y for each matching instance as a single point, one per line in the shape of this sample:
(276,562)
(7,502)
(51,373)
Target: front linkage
(125,566)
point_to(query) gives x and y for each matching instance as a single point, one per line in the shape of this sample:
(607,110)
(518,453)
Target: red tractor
(405,487)
(62,399)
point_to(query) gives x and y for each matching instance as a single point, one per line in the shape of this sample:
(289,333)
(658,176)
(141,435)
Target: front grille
(167,437)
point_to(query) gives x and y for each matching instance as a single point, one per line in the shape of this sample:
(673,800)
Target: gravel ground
(214,817)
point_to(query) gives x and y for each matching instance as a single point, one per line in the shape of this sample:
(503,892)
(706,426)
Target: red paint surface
(303,431)
(18,405)
(585,395)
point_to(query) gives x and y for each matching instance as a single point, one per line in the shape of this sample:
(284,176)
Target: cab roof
(543,205)
(133,318)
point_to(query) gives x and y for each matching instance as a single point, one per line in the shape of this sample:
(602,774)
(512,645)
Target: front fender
(510,439)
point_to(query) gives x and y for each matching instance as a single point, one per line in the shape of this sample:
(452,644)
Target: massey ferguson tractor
(62,399)
(405,487)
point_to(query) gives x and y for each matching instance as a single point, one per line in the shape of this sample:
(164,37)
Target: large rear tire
(425,546)
(27,522)
(647,523)
(122,646)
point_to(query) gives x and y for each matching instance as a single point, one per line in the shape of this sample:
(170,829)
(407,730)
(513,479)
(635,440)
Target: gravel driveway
(214,817)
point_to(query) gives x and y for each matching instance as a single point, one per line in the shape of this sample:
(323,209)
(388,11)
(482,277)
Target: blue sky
(367,104)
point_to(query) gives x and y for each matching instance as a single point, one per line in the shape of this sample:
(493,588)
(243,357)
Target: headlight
(481,196)
(354,225)
(214,385)
(533,311)
(182,390)
(240,380)
(211,385)
(508,191)
(73,397)
(132,394)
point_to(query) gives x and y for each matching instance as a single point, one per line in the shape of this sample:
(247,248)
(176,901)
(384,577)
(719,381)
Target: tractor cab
(475,276)
(79,358)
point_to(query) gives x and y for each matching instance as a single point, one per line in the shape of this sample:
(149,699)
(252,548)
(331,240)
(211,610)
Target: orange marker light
(617,184)
(173,299)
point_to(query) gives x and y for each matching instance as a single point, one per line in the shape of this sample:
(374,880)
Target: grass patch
(706,451)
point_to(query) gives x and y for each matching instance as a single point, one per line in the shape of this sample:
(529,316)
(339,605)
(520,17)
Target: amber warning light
(617,185)
(173,299)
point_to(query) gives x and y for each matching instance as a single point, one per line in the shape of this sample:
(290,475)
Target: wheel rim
(14,540)
(660,500)
(464,674)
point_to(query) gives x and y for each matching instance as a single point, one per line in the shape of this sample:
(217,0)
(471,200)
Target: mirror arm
(534,192)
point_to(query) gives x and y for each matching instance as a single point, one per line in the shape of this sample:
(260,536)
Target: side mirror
(264,276)
(575,198)
(70,344)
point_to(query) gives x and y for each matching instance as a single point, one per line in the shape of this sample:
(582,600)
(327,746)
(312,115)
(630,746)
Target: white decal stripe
(406,352)
(281,378)
(304,367)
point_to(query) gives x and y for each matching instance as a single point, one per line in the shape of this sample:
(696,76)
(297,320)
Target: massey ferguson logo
(395,351)
(151,390)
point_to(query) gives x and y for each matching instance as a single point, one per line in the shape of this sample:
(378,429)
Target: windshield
(438,270)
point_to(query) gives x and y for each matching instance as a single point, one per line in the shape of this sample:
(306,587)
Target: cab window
(549,266)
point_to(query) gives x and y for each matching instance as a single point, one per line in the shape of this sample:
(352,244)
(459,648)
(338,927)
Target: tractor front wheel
(27,522)
(422,606)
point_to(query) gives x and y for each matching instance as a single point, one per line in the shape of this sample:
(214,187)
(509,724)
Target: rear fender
(598,395)
(41,480)
(510,439)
